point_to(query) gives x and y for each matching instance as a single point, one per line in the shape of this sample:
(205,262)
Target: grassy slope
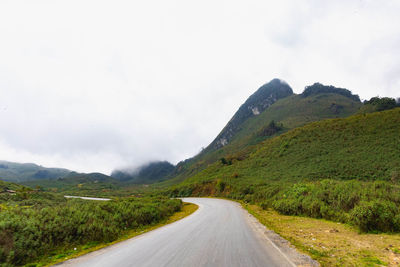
(345,170)
(292,112)
(363,146)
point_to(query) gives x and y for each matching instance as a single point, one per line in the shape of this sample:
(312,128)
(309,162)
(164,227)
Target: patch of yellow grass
(187,209)
(331,243)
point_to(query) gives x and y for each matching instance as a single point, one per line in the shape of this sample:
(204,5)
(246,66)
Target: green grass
(38,225)
(331,243)
(365,147)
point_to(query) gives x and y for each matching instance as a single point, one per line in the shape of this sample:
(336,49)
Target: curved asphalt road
(219,234)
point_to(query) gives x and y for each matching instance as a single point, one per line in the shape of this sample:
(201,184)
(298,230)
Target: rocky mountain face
(264,97)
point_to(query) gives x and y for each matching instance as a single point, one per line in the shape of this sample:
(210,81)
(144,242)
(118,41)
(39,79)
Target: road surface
(89,198)
(219,233)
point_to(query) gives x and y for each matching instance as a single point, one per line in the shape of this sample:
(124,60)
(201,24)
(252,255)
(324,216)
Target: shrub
(383,103)
(220,185)
(225,161)
(29,233)
(287,206)
(375,215)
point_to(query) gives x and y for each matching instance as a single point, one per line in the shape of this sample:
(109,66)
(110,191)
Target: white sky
(96,85)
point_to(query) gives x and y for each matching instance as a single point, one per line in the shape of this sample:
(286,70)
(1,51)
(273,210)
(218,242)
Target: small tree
(383,103)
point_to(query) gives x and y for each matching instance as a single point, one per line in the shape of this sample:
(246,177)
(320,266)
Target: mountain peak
(277,81)
(259,101)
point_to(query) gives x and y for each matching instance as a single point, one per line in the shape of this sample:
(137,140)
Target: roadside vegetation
(332,243)
(38,225)
(64,254)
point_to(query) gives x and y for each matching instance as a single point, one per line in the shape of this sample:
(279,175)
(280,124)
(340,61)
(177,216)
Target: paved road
(219,233)
(89,198)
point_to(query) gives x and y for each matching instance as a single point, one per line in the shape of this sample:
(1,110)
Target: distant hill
(94,177)
(19,172)
(273,104)
(146,174)
(79,183)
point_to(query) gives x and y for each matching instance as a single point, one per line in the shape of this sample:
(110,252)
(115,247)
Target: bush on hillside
(383,103)
(225,161)
(271,129)
(318,88)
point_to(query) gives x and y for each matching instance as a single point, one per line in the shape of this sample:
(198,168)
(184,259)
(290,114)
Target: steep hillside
(339,169)
(363,147)
(257,103)
(317,102)
(146,174)
(19,172)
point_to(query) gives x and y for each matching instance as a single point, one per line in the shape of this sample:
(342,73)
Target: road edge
(289,251)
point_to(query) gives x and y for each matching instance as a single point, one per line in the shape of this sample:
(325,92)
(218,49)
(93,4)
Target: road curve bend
(219,233)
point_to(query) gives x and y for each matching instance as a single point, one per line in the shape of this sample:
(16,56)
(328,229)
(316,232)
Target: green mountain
(272,110)
(365,147)
(146,174)
(345,169)
(321,154)
(19,172)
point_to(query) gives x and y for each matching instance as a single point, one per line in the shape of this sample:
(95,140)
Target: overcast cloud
(95,85)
